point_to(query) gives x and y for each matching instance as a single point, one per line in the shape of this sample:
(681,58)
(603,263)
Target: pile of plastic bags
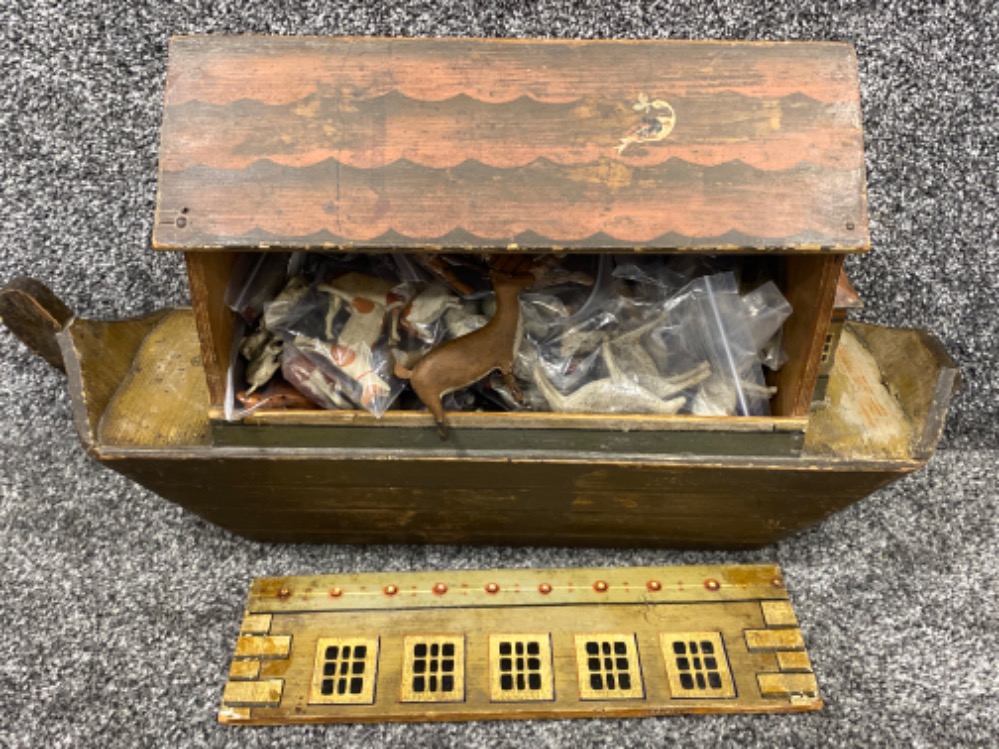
(600,333)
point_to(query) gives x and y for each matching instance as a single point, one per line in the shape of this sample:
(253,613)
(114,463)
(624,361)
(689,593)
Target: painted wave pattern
(269,168)
(544,205)
(461,128)
(390,96)
(459,239)
(496,73)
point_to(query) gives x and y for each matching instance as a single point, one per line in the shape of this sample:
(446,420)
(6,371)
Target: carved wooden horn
(34,314)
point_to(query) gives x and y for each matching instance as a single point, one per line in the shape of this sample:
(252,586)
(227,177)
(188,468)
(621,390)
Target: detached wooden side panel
(505,644)
(467,144)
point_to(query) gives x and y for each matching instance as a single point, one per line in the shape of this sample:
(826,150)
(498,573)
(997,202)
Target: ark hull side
(142,408)
(587,500)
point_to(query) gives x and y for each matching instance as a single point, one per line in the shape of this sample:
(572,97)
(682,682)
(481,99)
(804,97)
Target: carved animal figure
(427,308)
(462,361)
(277,395)
(613,394)
(369,300)
(263,366)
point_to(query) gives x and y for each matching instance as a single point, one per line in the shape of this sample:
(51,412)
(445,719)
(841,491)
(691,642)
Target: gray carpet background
(119,611)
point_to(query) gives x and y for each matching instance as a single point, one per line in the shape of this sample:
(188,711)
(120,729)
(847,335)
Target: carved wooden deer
(463,361)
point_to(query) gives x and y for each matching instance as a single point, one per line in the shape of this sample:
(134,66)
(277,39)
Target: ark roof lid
(475,144)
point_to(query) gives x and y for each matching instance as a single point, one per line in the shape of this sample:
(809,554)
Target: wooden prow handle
(466,360)
(34,315)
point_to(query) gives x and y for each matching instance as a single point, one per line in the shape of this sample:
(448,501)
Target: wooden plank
(609,642)
(526,420)
(787,685)
(810,287)
(253,693)
(228,714)
(163,398)
(862,417)
(34,314)
(588,500)
(520,587)
(263,646)
(774,639)
(779,614)
(255,624)
(244,670)
(485,439)
(792,661)
(293,142)
(923,379)
(552,432)
(98,356)
(208,276)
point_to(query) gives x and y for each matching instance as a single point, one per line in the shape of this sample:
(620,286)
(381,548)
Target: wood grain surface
(718,613)
(484,144)
(35,315)
(402,494)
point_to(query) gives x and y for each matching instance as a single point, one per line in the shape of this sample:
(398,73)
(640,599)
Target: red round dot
(336,592)
(492,587)
(654,585)
(712,584)
(544,589)
(390,590)
(440,589)
(600,586)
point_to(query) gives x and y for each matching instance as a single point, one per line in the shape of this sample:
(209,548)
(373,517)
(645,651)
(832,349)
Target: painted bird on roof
(657,123)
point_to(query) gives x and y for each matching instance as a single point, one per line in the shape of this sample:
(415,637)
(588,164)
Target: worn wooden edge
(811,291)
(526,420)
(905,358)
(34,314)
(591,500)
(121,458)
(98,356)
(235,716)
(720,248)
(392,591)
(208,276)
(214,39)
(552,442)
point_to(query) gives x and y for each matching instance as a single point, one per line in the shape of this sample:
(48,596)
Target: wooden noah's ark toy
(608,168)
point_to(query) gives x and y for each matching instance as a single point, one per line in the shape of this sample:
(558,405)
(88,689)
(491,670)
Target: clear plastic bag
(423,316)
(248,391)
(714,324)
(347,324)
(598,334)
(309,379)
(254,280)
(651,339)
(766,312)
